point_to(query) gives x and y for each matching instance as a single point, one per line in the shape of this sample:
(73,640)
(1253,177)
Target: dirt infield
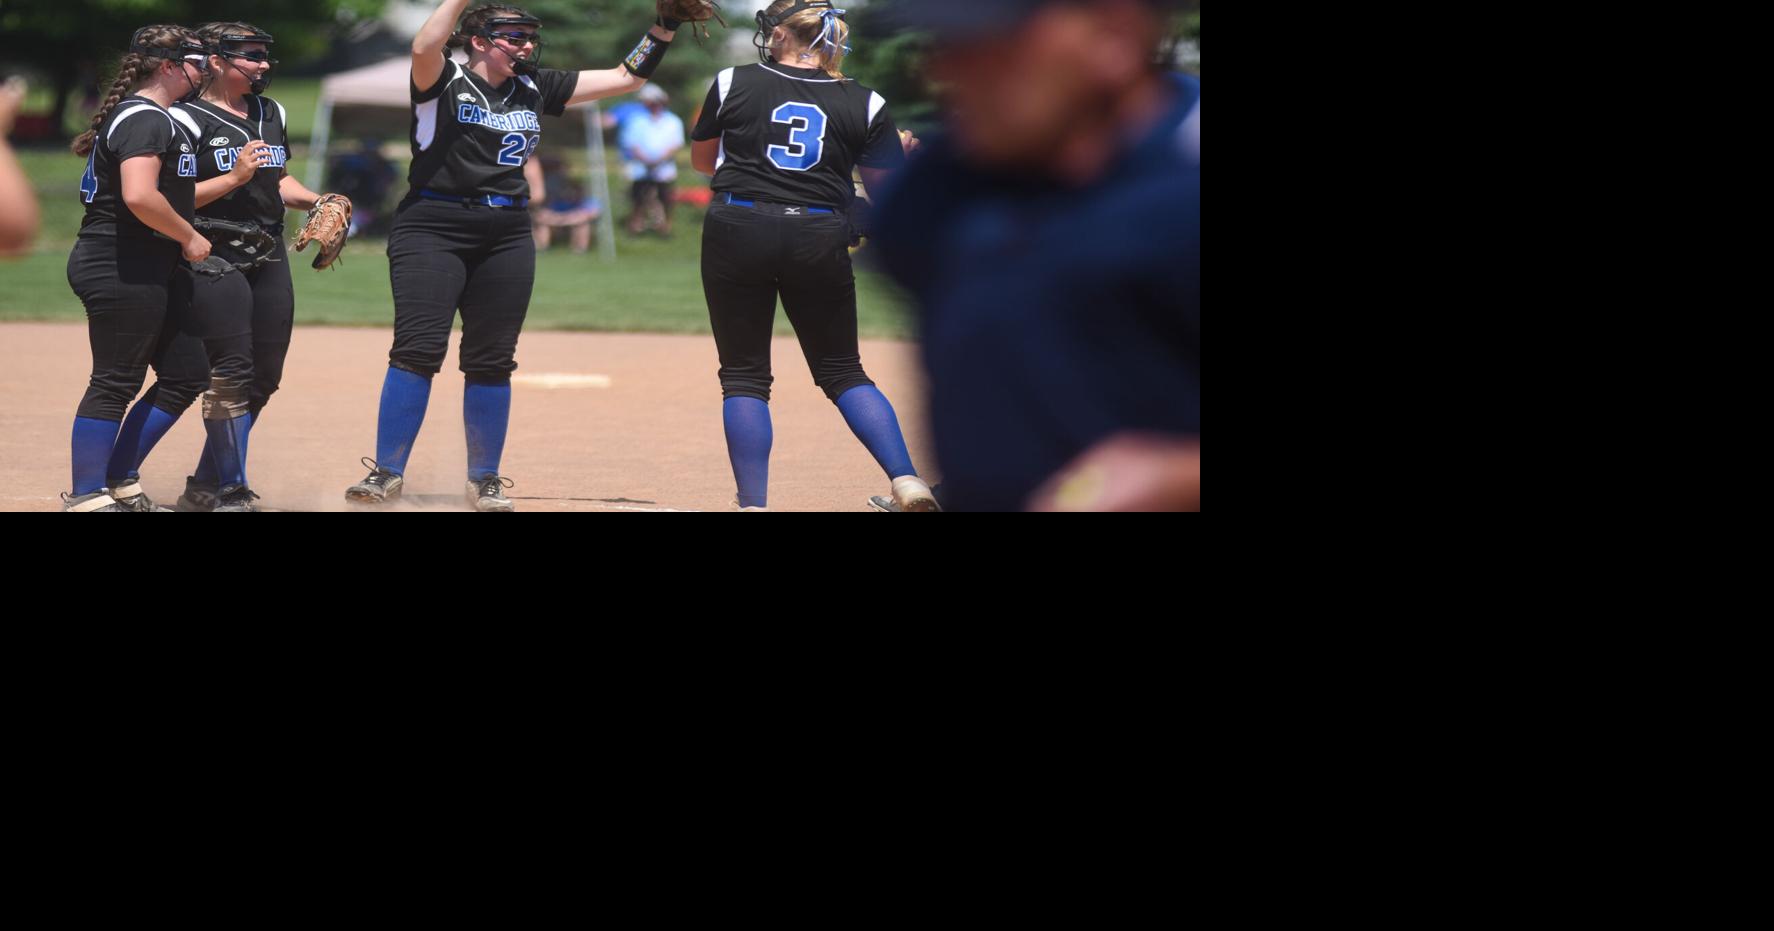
(600,422)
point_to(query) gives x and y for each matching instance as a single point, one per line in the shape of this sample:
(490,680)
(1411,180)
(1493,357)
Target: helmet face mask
(191,52)
(196,53)
(188,50)
(500,27)
(227,46)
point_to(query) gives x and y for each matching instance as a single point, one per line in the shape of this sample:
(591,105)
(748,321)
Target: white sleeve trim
(725,84)
(877,103)
(132,111)
(425,129)
(190,123)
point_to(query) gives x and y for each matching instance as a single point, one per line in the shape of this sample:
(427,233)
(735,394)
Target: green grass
(647,291)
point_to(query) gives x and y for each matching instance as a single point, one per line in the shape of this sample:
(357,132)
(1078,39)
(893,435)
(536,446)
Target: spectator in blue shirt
(651,142)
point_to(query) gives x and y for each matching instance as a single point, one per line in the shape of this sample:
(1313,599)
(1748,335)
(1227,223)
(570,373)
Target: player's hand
(908,142)
(1128,472)
(196,248)
(256,155)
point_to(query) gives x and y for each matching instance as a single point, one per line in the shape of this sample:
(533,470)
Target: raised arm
(627,77)
(428,45)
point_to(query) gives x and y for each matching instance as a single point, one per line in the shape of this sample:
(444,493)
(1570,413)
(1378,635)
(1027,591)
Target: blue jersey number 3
(806,136)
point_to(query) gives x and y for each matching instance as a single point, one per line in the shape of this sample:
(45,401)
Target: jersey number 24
(806,136)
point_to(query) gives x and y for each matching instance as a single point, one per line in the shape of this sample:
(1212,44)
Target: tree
(891,62)
(76,43)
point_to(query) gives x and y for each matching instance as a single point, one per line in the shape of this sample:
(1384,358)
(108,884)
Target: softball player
(245,314)
(461,236)
(139,185)
(781,138)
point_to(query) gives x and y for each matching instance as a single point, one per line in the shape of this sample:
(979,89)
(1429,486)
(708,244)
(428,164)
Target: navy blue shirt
(1052,317)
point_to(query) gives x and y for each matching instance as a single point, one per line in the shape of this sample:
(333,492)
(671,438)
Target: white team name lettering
(225,158)
(518,120)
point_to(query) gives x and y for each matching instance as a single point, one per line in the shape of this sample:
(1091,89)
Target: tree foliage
(75,44)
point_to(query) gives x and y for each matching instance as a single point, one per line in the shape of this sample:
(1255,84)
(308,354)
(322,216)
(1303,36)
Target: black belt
(484,200)
(785,210)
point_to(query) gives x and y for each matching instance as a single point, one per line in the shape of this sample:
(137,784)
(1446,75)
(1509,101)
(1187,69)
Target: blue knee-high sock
(251,421)
(486,412)
(142,430)
(206,462)
(871,418)
(129,440)
(92,441)
(404,397)
(227,446)
(748,447)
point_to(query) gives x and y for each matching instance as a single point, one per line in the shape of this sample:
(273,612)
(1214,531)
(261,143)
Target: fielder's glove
(675,13)
(327,224)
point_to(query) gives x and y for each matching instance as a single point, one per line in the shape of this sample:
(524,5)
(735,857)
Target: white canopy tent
(376,96)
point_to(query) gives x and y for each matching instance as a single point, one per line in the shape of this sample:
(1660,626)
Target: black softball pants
(750,256)
(242,322)
(443,257)
(130,288)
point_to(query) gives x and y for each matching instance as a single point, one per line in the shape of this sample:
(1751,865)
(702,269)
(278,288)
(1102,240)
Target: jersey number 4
(89,182)
(806,136)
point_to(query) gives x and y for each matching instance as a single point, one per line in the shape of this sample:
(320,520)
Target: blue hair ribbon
(827,35)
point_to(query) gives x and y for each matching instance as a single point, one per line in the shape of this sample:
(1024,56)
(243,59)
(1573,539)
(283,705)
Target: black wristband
(645,58)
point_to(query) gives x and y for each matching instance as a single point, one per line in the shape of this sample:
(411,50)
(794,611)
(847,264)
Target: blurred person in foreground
(18,203)
(1052,240)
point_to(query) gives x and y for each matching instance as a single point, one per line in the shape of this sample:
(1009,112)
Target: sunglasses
(518,38)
